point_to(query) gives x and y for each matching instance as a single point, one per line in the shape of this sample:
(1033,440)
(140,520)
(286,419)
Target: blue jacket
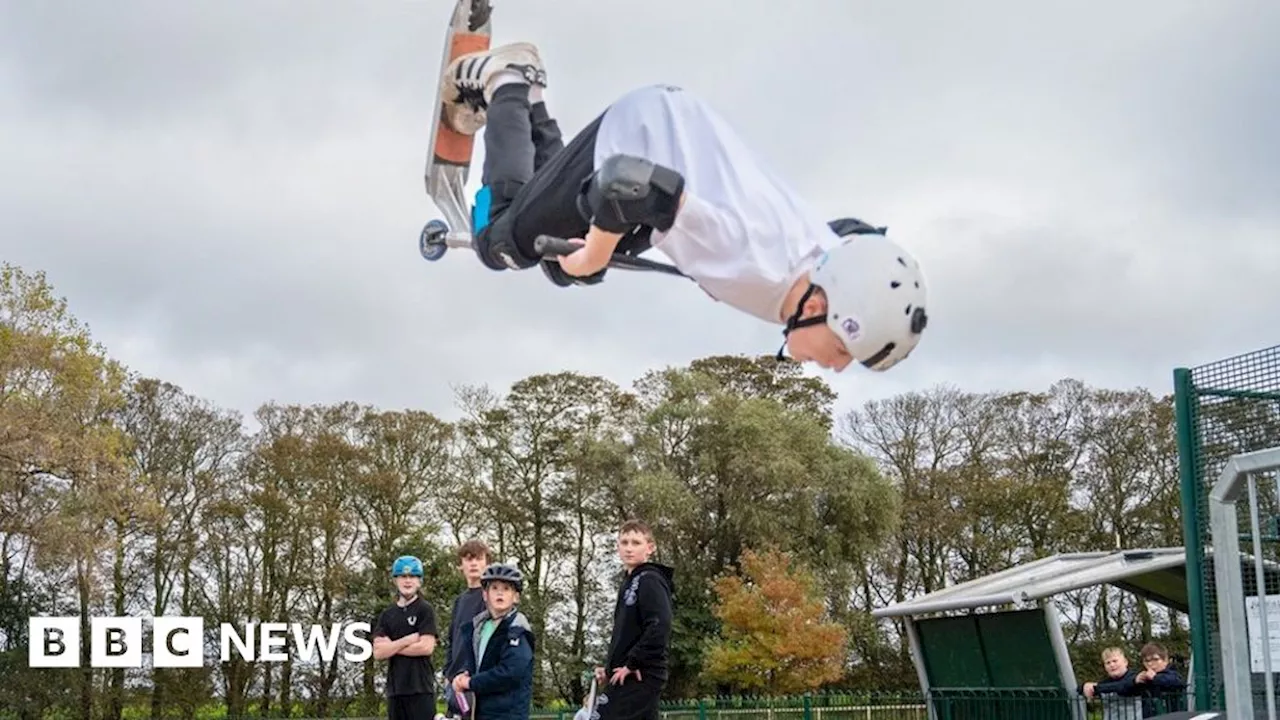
(502,680)
(1164,693)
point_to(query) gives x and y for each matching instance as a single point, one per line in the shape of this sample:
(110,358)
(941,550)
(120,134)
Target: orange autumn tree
(773,636)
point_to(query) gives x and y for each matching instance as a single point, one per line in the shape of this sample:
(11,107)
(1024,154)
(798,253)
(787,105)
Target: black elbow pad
(628,191)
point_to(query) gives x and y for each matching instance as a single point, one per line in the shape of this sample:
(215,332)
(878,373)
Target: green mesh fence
(1008,704)
(1223,408)
(822,705)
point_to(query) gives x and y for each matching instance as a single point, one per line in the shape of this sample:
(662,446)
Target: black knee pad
(628,191)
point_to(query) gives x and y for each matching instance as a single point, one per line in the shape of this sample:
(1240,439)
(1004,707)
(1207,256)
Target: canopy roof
(1157,574)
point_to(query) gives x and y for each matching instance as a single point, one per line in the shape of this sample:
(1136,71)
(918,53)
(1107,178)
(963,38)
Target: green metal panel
(1019,649)
(994,666)
(1010,649)
(953,653)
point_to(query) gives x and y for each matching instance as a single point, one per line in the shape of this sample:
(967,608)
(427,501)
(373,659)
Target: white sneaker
(467,85)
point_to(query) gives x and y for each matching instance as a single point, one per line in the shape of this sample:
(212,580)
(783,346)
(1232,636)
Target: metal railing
(1248,610)
(940,704)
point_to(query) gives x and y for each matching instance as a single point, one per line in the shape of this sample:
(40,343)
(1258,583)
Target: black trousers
(531,180)
(632,700)
(411,707)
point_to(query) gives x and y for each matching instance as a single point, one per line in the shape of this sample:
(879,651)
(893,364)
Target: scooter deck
(449,154)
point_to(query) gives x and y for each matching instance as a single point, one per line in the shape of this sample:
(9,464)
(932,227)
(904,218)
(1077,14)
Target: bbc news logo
(176,642)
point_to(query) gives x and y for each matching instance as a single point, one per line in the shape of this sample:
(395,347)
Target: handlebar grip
(547,245)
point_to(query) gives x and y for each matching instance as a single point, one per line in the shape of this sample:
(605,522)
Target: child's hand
(461,682)
(1088,689)
(620,675)
(578,263)
(594,255)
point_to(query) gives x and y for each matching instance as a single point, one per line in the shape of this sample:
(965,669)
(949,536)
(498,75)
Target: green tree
(718,471)
(180,450)
(542,494)
(127,495)
(410,483)
(61,475)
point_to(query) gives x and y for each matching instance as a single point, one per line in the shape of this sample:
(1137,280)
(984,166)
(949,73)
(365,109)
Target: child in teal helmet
(404,635)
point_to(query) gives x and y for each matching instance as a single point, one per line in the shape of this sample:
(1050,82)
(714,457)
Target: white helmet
(875,298)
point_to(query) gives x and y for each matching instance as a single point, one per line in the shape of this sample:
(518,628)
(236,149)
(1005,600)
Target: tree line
(126,495)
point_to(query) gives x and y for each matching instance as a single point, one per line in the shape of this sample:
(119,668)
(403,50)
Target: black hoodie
(642,620)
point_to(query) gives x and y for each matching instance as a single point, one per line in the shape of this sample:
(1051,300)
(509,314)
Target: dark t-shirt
(408,674)
(466,606)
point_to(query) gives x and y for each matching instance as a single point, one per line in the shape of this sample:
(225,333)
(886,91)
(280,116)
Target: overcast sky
(1094,189)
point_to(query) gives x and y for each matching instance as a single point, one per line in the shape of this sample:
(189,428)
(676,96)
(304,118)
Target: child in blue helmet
(496,649)
(404,635)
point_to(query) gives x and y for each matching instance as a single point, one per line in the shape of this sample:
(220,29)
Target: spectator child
(497,650)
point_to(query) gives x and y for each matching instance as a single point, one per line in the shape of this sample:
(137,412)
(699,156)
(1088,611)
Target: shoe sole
(468,117)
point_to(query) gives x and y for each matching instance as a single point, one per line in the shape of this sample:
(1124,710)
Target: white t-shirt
(743,234)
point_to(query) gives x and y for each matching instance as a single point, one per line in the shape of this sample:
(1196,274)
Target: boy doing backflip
(659,168)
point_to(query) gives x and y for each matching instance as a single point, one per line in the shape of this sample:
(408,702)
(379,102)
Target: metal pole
(918,659)
(1232,622)
(953,603)
(1054,625)
(1188,461)
(1260,583)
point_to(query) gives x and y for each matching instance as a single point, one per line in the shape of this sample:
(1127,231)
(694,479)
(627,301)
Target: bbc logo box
(115,642)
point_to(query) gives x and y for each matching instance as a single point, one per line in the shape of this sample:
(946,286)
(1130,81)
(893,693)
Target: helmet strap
(794,321)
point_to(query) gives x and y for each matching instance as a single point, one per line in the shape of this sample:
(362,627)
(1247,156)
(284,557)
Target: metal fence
(1224,408)
(941,704)
(1249,618)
